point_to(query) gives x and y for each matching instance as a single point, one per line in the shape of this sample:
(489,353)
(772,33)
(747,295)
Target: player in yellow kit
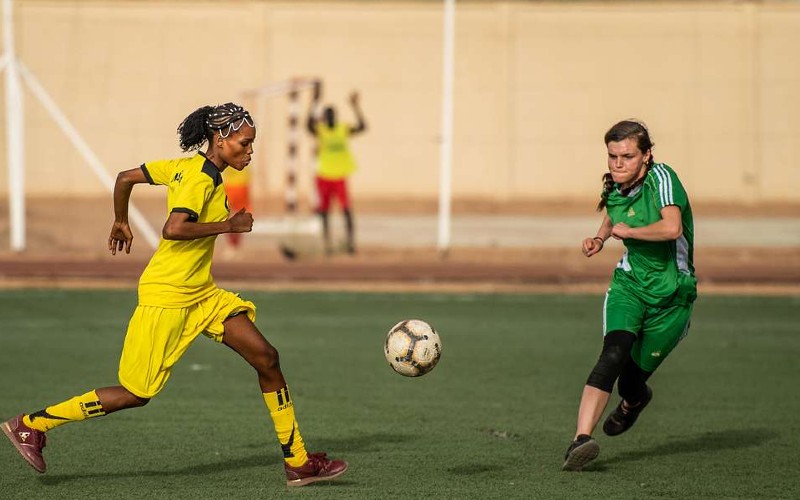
(335,162)
(178,299)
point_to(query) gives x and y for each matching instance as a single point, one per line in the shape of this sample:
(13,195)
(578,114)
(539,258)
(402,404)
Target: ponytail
(608,185)
(193,131)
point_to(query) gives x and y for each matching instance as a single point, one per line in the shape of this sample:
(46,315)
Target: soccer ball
(412,348)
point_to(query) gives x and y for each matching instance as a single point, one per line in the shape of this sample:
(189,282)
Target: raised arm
(121,235)
(361,124)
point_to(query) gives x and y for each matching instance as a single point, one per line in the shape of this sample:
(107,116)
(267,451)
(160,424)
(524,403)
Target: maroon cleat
(28,442)
(317,468)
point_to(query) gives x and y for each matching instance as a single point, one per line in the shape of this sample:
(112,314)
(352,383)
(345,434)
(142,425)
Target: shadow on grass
(472,469)
(269,458)
(191,470)
(708,441)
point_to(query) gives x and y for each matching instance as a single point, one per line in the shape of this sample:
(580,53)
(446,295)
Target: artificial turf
(491,421)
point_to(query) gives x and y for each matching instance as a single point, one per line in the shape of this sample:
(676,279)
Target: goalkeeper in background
(178,299)
(335,163)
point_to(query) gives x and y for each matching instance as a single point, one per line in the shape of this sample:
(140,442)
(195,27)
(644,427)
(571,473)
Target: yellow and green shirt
(179,273)
(335,161)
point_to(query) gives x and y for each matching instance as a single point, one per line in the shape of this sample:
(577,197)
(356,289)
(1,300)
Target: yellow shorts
(157,338)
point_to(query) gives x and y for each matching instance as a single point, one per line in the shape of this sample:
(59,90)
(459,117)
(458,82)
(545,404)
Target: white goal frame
(15,74)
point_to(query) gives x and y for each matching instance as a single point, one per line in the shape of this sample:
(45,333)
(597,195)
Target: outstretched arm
(121,235)
(361,124)
(180,227)
(313,111)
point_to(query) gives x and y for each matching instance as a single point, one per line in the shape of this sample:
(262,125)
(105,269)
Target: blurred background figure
(335,163)
(237,189)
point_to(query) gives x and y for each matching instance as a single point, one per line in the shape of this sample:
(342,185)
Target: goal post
(17,73)
(291,89)
(14,134)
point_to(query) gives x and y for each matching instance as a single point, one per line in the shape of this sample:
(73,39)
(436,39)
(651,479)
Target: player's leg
(595,396)
(615,354)
(620,311)
(95,403)
(635,394)
(147,343)
(241,335)
(661,333)
(27,431)
(344,200)
(324,195)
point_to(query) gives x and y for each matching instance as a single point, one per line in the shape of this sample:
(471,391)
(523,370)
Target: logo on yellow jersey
(178,177)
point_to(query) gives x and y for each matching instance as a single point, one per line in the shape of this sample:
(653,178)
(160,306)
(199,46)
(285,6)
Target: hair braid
(201,124)
(608,185)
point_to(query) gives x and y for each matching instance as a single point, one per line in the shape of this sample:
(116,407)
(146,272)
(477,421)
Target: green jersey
(659,272)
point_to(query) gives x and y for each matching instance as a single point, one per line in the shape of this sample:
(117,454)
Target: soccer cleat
(28,442)
(620,420)
(317,468)
(582,451)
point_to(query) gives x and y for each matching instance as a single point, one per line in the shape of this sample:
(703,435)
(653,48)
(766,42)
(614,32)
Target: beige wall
(537,85)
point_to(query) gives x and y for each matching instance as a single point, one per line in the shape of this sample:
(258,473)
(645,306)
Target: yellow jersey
(179,273)
(335,161)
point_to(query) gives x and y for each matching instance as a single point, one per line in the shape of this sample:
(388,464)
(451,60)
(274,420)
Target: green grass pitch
(491,421)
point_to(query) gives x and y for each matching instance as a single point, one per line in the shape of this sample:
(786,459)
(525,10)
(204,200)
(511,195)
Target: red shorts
(327,189)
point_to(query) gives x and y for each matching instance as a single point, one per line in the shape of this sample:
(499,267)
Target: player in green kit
(649,302)
(178,299)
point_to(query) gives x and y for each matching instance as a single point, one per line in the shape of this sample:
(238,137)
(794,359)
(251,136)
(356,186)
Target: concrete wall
(537,85)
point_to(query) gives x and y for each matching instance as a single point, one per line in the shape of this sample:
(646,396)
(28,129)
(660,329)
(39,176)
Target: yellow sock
(72,410)
(281,409)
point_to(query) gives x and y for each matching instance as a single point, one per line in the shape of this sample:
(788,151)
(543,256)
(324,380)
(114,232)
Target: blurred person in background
(178,299)
(335,163)
(237,189)
(648,304)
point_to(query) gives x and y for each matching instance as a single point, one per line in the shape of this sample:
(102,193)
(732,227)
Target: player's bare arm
(121,236)
(314,111)
(179,226)
(593,245)
(667,229)
(361,123)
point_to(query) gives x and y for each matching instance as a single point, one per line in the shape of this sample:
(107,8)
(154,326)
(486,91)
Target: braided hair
(202,123)
(626,129)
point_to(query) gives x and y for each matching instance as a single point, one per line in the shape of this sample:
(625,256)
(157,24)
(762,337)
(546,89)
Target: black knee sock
(616,352)
(631,385)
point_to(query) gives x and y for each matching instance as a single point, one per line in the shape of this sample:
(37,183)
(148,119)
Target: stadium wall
(537,84)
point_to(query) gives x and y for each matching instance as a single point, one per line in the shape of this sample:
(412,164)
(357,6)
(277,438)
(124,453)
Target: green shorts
(658,329)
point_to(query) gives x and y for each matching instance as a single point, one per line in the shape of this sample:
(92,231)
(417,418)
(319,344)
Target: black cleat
(582,451)
(620,420)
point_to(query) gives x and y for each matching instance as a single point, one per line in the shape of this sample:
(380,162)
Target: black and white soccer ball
(412,348)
